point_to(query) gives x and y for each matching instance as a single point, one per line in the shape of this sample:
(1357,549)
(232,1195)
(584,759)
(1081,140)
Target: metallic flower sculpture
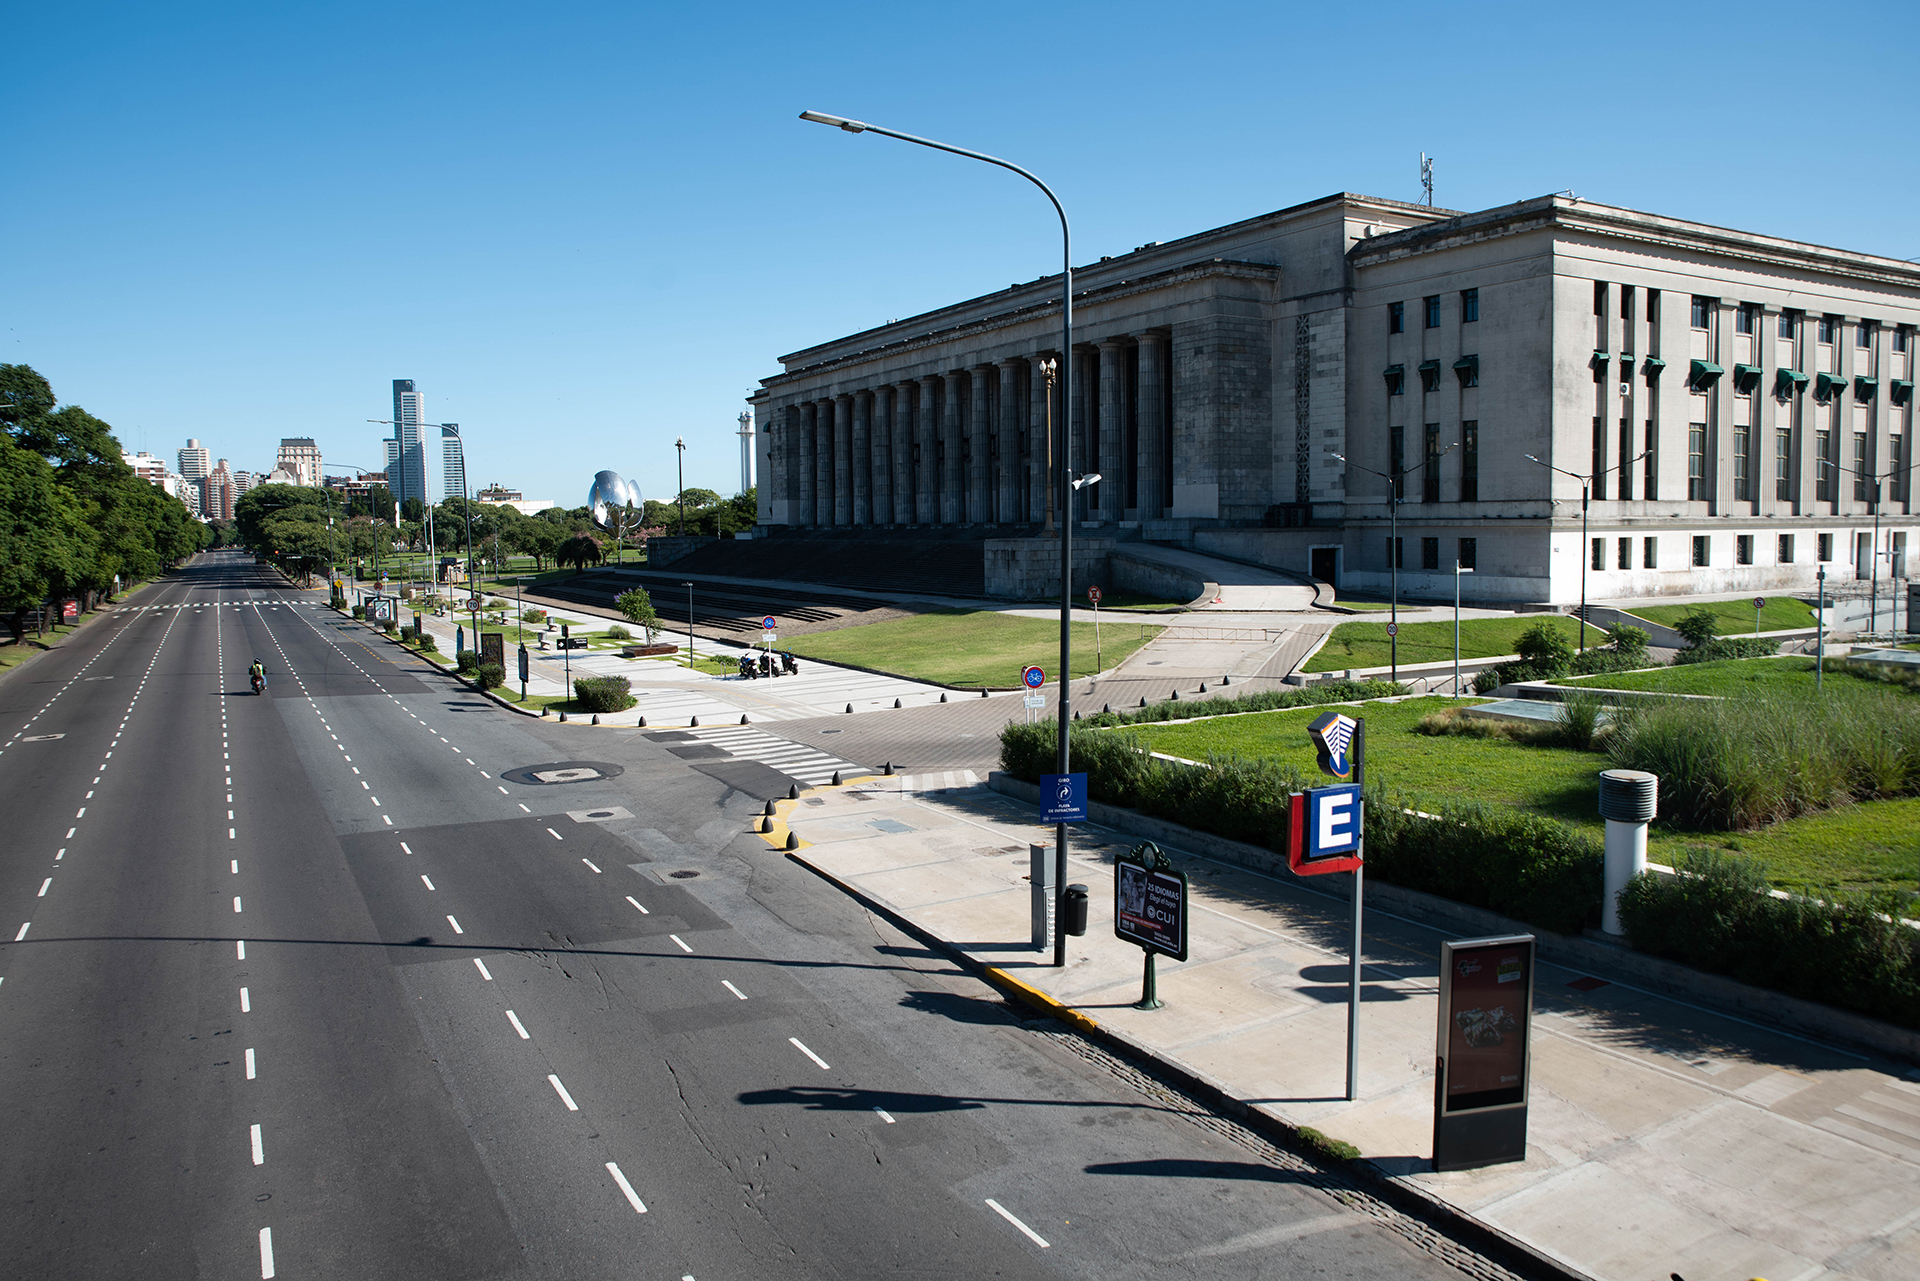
(616,503)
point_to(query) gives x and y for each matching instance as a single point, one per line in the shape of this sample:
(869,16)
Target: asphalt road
(334,983)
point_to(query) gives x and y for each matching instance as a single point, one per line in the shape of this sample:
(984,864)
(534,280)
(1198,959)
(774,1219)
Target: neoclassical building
(1739,404)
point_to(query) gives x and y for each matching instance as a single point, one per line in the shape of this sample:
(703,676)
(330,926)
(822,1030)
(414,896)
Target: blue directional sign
(1333,821)
(1063,798)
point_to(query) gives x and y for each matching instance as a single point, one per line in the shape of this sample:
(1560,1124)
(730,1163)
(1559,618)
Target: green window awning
(1467,370)
(1429,375)
(1653,366)
(1787,381)
(1826,385)
(1747,377)
(1863,388)
(1704,374)
(1601,360)
(1900,391)
(1396,376)
(1429,366)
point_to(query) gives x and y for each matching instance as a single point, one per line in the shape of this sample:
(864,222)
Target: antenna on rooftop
(1426,177)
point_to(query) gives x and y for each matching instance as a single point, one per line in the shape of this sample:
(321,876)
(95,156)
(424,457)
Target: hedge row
(1727,647)
(603,693)
(1264,701)
(1848,951)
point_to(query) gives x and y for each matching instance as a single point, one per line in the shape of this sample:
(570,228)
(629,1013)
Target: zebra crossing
(228,604)
(804,764)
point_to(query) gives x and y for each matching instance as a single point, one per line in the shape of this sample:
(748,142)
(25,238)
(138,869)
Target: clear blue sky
(586,229)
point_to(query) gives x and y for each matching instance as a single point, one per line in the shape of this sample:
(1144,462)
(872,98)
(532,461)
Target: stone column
(903,496)
(1037,454)
(953,472)
(842,474)
(1153,460)
(1086,440)
(803,417)
(1011,426)
(1109,498)
(880,444)
(859,459)
(926,493)
(980,446)
(823,464)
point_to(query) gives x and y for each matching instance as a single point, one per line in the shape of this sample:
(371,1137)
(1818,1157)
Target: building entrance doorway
(1325,565)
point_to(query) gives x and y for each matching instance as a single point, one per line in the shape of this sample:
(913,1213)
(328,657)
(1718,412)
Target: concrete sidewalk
(1664,1137)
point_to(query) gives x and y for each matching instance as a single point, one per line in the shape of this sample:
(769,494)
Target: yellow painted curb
(1040,1000)
(783,825)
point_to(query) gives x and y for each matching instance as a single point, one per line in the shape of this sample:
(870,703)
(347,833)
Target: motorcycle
(259,683)
(747,670)
(766,666)
(788,665)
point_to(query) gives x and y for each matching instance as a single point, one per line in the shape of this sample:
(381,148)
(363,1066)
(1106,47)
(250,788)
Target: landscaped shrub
(1625,638)
(1729,764)
(465,661)
(535,616)
(1546,649)
(359,611)
(1263,701)
(1719,916)
(1576,722)
(426,641)
(1727,647)
(603,693)
(1697,627)
(1485,682)
(489,675)
(1507,861)
(619,633)
(1597,660)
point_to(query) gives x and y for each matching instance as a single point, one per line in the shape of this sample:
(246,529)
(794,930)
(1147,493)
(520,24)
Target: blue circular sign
(767,622)
(1035,677)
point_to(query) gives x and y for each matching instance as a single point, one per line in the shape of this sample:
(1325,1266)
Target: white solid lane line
(795,1042)
(523,808)
(503,791)
(589,863)
(236,903)
(259,1151)
(682,942)
(1004,1213)
(246,1002)
(561,1090)
(23,932)
(250,1071)
(423,877)
(515,1020)
(234,866)
(643,911)
(240,949)
(456,926)
(483,969)
(266,1253)
(731,988)
(555,835)
(43,887)
(626,1189)
(884,1115)
(404,848)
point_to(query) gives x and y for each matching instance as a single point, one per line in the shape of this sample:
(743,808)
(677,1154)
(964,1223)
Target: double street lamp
(1586,545)
(1396,482)
(1063,484)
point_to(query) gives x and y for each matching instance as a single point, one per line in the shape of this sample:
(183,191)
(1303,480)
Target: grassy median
(1735,617)
(1357,645)
(971,648)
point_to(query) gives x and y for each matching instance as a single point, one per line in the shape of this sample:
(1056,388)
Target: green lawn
(1728,679)
(1865,845)
(1736,616)
(971,648)
(1365,644)
(1367,606)
(1128,601)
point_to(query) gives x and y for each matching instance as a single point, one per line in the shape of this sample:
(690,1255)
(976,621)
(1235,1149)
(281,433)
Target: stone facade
(1730,396)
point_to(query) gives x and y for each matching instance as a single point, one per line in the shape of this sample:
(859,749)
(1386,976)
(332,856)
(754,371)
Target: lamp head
(839,122)
(1090,479)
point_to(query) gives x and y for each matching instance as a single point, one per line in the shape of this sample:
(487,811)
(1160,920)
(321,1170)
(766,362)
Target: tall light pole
(1394,481)
(1586,546)
(680,457)
(1063,484)
(689,587)
(1873,483)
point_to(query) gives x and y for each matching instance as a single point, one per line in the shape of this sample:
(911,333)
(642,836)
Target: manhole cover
(684,874)
(563,772)
(605,814)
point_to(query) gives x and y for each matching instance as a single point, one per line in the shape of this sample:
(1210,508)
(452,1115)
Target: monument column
(842,475)
(804,416)
(1086,412)
(926,497)
(903,496)
(1037,444)
(859,457)
(953,472)
(1006,471)
(880,445)
(1109,496)
(1152,460)
(980,450)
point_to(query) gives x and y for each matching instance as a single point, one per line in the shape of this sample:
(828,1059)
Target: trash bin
(1073,907)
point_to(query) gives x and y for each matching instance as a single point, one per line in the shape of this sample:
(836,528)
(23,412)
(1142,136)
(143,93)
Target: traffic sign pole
(1759,603)
(1359,886)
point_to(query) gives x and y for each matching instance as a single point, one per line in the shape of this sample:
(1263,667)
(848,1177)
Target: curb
(1404,1196)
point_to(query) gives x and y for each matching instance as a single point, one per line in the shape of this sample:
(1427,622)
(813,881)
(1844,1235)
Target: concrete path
(1664,1137)
(1242,587)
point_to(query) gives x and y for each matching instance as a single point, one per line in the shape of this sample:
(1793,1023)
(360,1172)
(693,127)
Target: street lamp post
(1395,480)
(1873,483)
(1457,571)
(1586,546)
(1063,483)
(689,587)
(680,458)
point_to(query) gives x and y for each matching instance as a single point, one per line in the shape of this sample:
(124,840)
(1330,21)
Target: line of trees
(74,518)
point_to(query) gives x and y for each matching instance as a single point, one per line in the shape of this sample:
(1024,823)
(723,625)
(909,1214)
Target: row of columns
(971,447)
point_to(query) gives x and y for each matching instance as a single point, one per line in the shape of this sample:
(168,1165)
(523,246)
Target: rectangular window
(1430,474)
(1625,449)
(1744,318)
(1860,468)
(1789,323)
(1623,558)
(1825,547)
(1469,553)
(1599,457)
(1863,334)
(1743,549)
(1827,326)
(1649,553)
(1742,491)
(1470,461)
(1397,463)
(1896,491)
(1469,305)
(1702,312)
(1430,553)
(1433,312)
(1599,553)
(1786,549)
(1900,338)
(1823,486)
(1626,303)
(1783,464)
(1650,487)
(1702,553)
(1396,317)
(1696,462)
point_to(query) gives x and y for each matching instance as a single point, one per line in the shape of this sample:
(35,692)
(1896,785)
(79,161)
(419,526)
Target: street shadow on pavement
(1179,1168)
(895,1102)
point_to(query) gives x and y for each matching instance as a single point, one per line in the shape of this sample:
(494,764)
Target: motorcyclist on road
(258,674)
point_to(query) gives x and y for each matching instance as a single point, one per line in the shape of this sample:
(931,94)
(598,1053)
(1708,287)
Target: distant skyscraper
(216,493)
(407,463)
(453,463)
(195,461)
(300,456)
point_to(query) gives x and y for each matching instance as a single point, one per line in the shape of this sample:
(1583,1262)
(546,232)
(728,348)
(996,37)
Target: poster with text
(1487,1026)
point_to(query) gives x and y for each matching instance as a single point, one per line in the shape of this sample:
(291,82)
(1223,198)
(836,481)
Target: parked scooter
(766,666)
(747,670)
(787,663)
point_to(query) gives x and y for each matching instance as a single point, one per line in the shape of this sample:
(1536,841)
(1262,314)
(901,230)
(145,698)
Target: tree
(41,534)
(580,551)
(1546,649)
(637,607)
(1698,627)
